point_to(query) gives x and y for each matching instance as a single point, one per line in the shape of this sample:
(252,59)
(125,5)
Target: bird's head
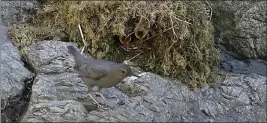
(124,71)
(125,41)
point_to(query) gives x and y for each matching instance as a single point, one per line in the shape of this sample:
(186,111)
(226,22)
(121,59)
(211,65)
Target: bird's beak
(136,75)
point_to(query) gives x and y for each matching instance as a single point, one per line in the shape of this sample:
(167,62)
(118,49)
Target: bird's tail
(72,50)
(78,57)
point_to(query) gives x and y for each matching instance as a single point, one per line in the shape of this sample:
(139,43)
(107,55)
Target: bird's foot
(101,106)
(98,105)
(102,96)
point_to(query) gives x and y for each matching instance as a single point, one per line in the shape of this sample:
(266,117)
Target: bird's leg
(98,105)
(101,95)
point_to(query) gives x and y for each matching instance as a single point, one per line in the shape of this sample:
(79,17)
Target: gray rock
(49,57)
(230,64)
(13,12)
(163,101)
(59,97)
(13,72)
(65,86)
(14,76)
(3,34)
(56,84)
(241,27)
(56,111)
(148,98)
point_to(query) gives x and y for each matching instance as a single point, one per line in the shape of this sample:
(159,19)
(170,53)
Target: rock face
(58,94)
(56,84)
(49,57)
(229,64)
(62,96)
(241,27)
(15,11)
(53,99)
(3,34)
(14,77)
(165,101)
(13,72)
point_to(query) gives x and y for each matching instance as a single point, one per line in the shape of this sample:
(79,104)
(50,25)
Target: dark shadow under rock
(232,63)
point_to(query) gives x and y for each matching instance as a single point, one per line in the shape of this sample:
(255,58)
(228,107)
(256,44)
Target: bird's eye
(123,71)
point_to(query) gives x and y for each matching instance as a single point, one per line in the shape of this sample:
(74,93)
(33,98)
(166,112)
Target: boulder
(241,27)
(14,80)
(62,96)
(13,12)
(49,57)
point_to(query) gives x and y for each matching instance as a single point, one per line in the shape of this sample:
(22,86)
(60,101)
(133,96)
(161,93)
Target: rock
(241,27)
(58,97)
(14,76)
(53,99)
(166,101)
(49,57)
(58,87)
(56,84)
(56,111)
(13,12)
(3,34)
(163,101)
(230,64)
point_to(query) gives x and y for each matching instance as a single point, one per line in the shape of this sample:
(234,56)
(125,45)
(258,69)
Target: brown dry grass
(173,39)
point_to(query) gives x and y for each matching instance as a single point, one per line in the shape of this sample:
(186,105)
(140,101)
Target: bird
(100,73)
(142,28)
(141,34)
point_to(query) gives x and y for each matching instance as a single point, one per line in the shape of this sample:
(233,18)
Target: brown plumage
(100,73)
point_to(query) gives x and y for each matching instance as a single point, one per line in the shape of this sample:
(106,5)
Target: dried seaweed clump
(172,38)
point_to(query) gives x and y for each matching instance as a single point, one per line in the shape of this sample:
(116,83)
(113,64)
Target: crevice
(26,96)
(27,91)
(18,104)
(27,64)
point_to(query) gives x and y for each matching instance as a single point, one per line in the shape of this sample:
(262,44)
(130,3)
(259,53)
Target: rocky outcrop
(171,101)
(56,84)
(13,12)
(60,95)
(54,98)
(48,57)
(230,64)
(241,27)
(14,78)
(3,34)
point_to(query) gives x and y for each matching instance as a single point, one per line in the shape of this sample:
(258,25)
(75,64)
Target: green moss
(174,38)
